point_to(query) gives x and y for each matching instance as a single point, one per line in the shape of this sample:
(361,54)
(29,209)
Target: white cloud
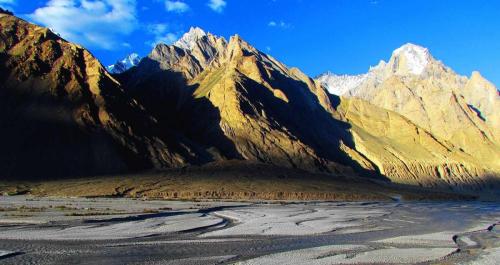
(100,23)
(161,34)
(7,3)
(157,29)
(176,6)
(280,24)
(217,5)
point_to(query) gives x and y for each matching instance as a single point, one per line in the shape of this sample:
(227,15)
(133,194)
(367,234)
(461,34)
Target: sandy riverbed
(128,231)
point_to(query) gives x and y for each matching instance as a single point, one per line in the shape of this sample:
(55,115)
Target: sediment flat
(63,230)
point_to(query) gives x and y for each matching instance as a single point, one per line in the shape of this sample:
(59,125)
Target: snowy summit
(410,59)
(126,63)
(189,39)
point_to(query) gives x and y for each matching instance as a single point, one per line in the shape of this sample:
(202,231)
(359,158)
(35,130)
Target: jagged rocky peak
(195,36)
(195,45)
(189,39)
(237,45)
(478,80)
(126,63)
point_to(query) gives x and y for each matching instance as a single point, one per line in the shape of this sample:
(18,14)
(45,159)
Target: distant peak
(411,47)
(410,59)
(133,57)
(476,74)
(197,32)
(340,84)
(126,63)
(478,80)
(189,39)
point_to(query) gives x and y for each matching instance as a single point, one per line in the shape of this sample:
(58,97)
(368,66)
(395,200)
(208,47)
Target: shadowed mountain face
(63,115)
(201,100)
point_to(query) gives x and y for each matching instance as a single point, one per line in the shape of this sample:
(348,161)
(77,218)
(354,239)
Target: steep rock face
(407,153)
(255,95)
(451,107)
(62,115)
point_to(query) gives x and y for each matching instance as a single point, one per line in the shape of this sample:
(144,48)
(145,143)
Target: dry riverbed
(131,231)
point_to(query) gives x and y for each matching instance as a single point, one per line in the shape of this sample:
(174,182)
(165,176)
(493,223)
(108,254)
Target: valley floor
(56,230)
(234,180)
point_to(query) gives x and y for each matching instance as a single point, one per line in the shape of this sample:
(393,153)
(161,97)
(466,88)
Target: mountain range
(205,99)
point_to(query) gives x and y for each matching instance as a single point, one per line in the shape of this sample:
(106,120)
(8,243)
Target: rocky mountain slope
(63,115)
(235,103)
(240,99)
(453,108)
(207,99)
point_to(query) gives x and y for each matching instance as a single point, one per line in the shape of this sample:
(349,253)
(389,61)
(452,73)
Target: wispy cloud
(217,5)
(279,24)
(100,24)
(7,3)
(161,34)
(176,6)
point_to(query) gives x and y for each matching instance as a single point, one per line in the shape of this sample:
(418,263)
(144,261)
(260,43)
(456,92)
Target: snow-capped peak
(410,58)
(126,63)
(189,39)
(132,59)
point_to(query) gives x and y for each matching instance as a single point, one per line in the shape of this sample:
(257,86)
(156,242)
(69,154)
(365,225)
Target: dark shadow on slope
(305,118)
(334,100)
(477,111)
(168,97)
(40,140)
(50,133)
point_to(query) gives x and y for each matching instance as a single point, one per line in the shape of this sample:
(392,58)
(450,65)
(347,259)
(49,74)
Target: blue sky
(342,36)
